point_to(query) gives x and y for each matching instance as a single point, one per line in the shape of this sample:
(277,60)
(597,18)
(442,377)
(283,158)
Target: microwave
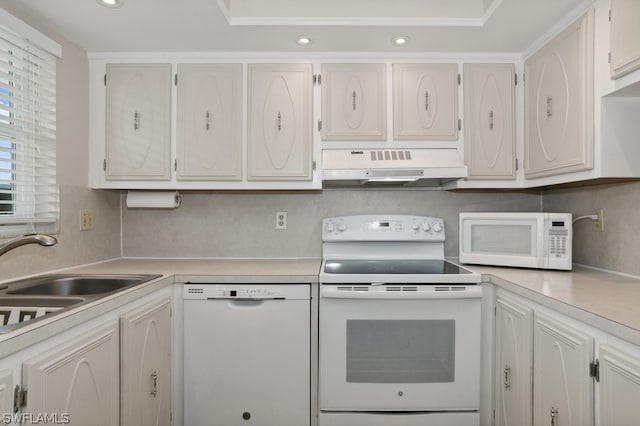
(527,240)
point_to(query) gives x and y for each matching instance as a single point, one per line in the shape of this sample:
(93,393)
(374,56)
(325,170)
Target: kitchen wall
(74,247)
(243,224)
(618,247)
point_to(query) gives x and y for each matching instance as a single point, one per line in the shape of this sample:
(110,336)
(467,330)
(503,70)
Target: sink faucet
(42,239)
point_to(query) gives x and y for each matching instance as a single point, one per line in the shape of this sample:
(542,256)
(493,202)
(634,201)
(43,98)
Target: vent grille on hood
(407,167)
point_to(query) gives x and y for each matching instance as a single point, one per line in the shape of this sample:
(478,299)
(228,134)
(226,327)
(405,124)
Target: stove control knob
(426,227)
(331,227)
(415,227)
(437,227)
(342,227)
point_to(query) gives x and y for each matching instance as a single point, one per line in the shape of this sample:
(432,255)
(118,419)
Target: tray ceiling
(452,26)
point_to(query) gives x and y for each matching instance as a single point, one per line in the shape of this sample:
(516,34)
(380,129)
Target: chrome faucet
(42,239)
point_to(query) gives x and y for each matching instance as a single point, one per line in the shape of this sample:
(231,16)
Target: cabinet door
(209,122)
(514,350)
(563,388)
(619,387)
(425,101)
(354,102)
(489,130)
(79,378)
(279,139)
(559,103)
(6,393)
(146,365)
(625,37)
(138,122)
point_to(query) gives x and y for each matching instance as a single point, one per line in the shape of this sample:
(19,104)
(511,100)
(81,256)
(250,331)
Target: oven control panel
(383,228)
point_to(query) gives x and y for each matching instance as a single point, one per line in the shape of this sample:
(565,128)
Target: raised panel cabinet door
(619,387)
(489,130)
(6,394)
(146,365)
(425,101)
(209,122)
(354,102)
(138,122)
(514,352)
(79,378)
(559,103)
(279,136)
(625,37)
(562,386)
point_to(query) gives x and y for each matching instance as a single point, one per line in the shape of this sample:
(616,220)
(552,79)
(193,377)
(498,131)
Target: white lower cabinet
(513,360)
(78,379)
(619,387)
(146,365)
(552,370)
(563,387)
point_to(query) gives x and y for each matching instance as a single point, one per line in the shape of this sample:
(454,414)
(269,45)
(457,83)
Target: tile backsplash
(243,224)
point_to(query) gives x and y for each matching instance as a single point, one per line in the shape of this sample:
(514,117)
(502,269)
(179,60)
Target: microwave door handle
(541,249)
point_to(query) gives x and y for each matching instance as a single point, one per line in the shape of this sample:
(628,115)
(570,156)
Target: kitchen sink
(30,299)
(76,285)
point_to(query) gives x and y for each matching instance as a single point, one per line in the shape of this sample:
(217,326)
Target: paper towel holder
(153,199)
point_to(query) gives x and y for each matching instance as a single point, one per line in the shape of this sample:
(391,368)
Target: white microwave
(528,240)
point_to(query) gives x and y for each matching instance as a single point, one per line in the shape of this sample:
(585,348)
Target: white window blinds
(29,199)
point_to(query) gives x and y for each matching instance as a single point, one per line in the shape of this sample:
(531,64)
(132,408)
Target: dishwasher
(247,350)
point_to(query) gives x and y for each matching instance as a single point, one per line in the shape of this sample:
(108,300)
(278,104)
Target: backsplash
(243,224)
(618,247)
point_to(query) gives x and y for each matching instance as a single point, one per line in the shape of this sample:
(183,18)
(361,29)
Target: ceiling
(470,26)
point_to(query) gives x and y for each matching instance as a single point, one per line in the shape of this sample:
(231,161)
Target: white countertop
(604,300)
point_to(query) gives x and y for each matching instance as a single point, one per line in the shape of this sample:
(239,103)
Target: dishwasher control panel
(205,291)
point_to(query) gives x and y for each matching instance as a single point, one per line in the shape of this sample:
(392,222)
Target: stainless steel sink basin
(25,301)
(76,285)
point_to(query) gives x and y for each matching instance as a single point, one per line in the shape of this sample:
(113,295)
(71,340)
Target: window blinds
(29,199)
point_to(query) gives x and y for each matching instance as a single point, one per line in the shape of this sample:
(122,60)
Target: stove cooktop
(394,267)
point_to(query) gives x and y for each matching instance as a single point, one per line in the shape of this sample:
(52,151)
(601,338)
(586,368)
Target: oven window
(400,351)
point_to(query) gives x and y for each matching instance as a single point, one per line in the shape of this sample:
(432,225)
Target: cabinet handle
(554,414)
(549,102)
(491,120)
(208,121)
(426,100)
(154,384)
(353,97)
(507,377)
(279,125)
(136,121)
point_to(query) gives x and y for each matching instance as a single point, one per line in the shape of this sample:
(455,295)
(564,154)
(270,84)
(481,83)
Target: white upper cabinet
(354,102)
(559,129)
(489,121)
(279,133)
(425,101)
(625,37)
(138,138)
(209,122)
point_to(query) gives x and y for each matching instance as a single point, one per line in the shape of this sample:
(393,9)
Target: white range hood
(419,167)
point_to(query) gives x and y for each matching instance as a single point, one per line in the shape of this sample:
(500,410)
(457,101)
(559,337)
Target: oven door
(392,348)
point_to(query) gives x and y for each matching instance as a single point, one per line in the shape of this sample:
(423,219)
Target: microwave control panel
(559,237)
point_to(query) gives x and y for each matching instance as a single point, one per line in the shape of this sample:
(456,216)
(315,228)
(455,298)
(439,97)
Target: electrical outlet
(281,220)
(86,220)
(598,224)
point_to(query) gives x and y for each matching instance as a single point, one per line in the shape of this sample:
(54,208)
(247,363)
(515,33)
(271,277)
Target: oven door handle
(438,292)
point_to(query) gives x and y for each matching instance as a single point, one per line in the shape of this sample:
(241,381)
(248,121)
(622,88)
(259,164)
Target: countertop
(605,300)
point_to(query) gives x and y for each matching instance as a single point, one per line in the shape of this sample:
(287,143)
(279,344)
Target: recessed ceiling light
(303,40)
(111,3)
(400,41)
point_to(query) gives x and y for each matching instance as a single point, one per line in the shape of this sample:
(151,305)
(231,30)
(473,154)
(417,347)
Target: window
(29,200)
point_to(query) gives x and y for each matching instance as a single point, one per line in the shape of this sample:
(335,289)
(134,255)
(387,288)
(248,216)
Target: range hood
(413,167)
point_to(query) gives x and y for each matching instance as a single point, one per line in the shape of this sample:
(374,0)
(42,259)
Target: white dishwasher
(247,354)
